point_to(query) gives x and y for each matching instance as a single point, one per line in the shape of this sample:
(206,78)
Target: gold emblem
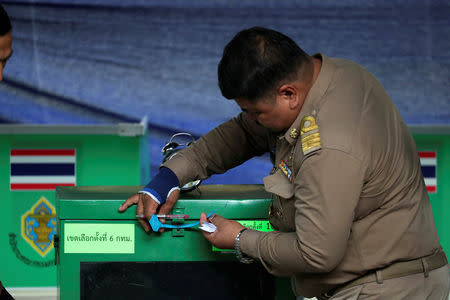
(294,133)
(39,226)
(310,135)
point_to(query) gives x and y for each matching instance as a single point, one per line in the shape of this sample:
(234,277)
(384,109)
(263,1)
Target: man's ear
(288,92)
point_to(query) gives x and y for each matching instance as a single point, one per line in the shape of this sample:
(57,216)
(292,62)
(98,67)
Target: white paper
(208,227)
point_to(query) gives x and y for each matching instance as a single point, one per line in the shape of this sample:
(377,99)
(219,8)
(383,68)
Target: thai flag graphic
(42,169)
(428,162)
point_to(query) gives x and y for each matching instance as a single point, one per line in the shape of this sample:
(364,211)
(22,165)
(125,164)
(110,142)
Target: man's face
(5,51)
(274,115)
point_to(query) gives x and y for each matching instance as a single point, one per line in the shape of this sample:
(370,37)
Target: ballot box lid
(102,202)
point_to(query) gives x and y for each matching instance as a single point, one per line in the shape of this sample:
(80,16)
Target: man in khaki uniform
(352,215)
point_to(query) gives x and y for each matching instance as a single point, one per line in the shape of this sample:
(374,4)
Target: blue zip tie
(156,224)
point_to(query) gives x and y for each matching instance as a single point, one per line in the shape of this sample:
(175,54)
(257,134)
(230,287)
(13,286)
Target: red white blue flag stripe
(41,169)
(428,162)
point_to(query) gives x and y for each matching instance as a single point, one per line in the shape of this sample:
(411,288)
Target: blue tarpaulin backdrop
(109,61)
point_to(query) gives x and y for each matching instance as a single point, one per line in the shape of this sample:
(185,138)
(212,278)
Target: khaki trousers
(435,286)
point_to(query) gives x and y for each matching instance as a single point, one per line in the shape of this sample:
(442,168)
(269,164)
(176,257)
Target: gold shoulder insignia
(310,135)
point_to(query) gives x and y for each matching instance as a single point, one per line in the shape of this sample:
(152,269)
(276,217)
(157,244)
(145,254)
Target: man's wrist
(162,185)
(152,194)
(239,254)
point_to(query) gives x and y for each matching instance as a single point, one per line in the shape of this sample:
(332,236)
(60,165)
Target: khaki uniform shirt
(357,199)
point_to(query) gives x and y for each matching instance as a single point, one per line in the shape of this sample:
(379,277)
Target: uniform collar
(316,93)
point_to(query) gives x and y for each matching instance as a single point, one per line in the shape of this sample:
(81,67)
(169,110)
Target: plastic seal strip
(156,224)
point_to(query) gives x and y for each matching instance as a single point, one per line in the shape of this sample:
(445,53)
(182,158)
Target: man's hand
(225,234)
(167,207)
(162,189)
(148,207)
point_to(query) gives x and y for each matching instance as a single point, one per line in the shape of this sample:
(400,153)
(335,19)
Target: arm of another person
(327,190)
(223,148)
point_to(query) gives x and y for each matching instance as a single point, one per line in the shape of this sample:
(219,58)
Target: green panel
(439,200)
(116,155)
(100,159)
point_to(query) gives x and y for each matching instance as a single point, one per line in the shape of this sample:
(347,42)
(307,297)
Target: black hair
(256,61)
(5,23)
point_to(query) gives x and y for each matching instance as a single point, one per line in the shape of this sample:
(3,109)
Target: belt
(395,270)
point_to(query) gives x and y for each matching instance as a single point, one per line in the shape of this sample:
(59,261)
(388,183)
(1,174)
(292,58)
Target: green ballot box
(104,254)
(34,159)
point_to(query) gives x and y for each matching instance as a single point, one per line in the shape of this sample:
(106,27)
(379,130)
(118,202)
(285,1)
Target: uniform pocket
(279,184)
